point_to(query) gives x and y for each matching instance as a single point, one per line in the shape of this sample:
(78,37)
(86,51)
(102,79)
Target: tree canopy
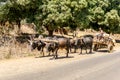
(53,14)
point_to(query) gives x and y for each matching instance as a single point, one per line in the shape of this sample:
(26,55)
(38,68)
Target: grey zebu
(85,41)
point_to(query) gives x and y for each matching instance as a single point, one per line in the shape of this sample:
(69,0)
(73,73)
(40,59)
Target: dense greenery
(63,13)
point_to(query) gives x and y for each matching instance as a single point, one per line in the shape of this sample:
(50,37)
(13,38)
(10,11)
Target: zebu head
(40,45)
(33,44)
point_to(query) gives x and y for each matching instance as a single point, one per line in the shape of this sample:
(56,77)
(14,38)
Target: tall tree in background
(17,10)
(97,9)
(112,20)
(101,13)
(55,14)
(61,13)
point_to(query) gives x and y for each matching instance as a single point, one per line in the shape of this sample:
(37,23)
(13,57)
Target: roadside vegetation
(50,15)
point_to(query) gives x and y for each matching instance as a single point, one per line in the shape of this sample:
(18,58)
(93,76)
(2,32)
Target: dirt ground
(17,66)
(23,61)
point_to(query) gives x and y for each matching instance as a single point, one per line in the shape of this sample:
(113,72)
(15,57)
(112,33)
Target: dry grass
(16,50)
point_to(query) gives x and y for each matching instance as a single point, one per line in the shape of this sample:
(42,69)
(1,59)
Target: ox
(85,41)
(60,44)
(37,44)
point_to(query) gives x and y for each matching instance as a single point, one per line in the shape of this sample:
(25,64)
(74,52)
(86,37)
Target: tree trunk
(19,26)
(50,32)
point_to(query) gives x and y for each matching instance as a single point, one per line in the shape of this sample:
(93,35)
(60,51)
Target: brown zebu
(60,43)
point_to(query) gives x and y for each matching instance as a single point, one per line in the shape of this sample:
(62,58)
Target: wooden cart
(105,43)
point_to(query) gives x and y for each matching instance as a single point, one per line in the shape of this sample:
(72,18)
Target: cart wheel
(110,48)
(95,48)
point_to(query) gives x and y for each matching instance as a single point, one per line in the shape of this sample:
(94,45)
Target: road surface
(105,67)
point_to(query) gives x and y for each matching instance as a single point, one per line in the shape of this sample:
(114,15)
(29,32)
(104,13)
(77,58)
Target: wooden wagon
(104,43)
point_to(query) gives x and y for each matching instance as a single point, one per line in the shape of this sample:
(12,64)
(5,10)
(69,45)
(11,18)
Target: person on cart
(100,34)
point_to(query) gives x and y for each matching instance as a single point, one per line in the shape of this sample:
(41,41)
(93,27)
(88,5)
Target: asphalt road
(105,67)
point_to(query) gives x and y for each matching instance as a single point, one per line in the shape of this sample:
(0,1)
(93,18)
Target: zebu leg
(86,49)
(90,48)
(75,48)
(81,50)
(55,54)
(67,49)
(42,51)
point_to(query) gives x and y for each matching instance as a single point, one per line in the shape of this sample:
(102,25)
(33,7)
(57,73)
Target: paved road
(105,67)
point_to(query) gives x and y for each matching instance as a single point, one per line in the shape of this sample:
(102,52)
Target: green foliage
(105,14)
(61,13)
(112,20)
(56,12)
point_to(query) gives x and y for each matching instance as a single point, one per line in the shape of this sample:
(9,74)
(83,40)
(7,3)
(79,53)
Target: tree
(55,14)
(96,12)
(99,11)
(112,20)
(12,12)
(17,10)
(59,13)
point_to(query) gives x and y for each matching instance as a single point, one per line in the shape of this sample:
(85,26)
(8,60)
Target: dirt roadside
(31,64)
(16,66)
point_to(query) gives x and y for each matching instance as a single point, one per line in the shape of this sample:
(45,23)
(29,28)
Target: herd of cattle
(53,44)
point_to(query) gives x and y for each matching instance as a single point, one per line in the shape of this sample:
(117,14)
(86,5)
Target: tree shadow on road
(104,51)
(43,56)
(63,57)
